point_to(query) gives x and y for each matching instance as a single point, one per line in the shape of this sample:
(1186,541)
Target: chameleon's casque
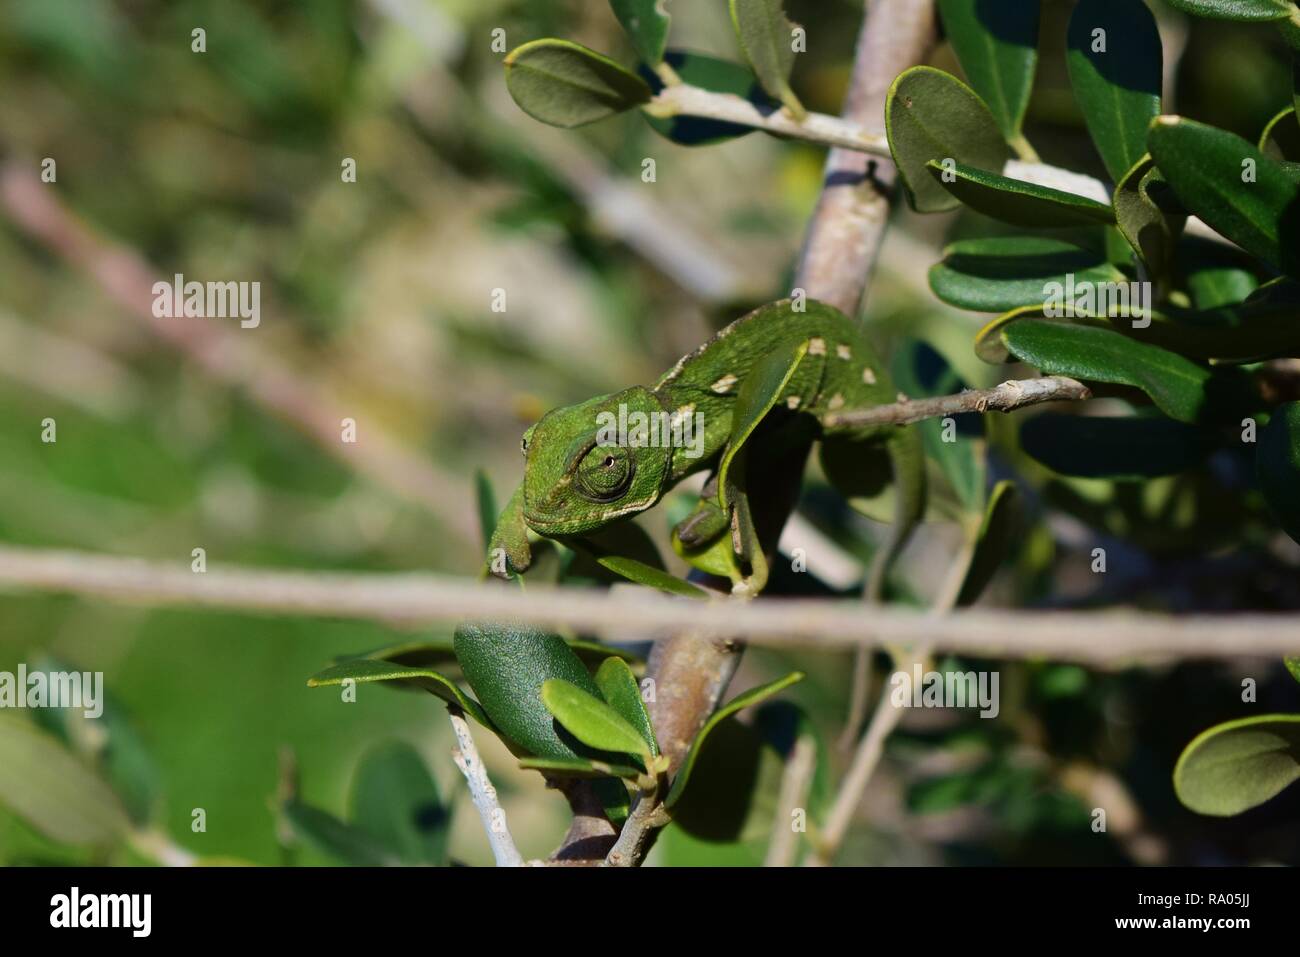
(578,479)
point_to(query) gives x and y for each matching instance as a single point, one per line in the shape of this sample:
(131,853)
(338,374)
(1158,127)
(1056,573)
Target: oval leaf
(1235,9)
(1176,385)
(507,666)
(1018,202)
(738,703)
(565,84)
(1277,464)
(646,23)
(1238,765)
(767,38)
(1006,272)
(1115,68)
(618,686)
(997,46)
(591,720)
(53,791)
(931,116)
(1131,448)
(1209,170)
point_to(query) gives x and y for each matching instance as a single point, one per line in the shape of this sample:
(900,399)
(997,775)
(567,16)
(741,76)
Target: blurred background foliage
(226,164)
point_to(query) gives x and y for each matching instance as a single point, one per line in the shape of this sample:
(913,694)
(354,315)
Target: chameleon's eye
(523,443)
(604,473)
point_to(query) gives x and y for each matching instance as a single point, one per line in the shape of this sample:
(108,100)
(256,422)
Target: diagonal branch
(1006,397)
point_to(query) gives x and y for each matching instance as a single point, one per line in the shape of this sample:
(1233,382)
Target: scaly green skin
(572,486)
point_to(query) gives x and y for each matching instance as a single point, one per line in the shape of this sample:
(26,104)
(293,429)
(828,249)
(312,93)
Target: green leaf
(618,686)
(1259,328)
(766,36)
(437,651)
(1281,138)
(327,834)
(759,393)
(396,801)
(1218,276)
(1277,463)
(506,666)
(646,23)
(644,574)
(738,703)
(1133,448)
(363,670)
(1005,272)
(1150,230)
(565,84)
(1238,765)
(580,768)
(487,507)
(1205,167)
(591,720)
(51,789)
(709,73)
(931,116)
(1176,385)
(1235,9)
(993,541)
(1293,666)
(1016,201)
(1115,62)
(997,46)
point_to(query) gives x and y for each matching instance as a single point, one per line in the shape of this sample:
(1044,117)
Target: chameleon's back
(840,368)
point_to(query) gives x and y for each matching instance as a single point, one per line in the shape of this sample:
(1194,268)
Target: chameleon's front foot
(508,548)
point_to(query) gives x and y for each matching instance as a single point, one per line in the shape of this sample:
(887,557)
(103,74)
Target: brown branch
(1098,638)
(1003,398)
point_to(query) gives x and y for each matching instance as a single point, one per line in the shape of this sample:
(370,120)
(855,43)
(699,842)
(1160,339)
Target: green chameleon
(796,365)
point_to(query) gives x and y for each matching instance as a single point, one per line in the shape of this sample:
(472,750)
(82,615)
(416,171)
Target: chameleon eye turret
(604,473)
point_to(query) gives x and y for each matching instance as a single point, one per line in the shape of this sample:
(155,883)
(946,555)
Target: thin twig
(687,100)
(634,839)
(1015,394)
(484,794)
(883,721)
(795,781)
(1121,636)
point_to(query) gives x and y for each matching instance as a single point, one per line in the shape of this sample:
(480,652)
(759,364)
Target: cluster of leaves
(1218,309)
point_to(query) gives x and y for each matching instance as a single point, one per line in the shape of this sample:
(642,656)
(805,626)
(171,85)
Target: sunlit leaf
(646,23)
(591,720)
(931,116)
(618,686)
(565,84)
(1005,272)
(1238,765)
(767,38)
(1016,201)
(363,670)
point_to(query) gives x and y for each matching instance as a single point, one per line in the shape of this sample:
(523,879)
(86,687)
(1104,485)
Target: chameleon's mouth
(553,526)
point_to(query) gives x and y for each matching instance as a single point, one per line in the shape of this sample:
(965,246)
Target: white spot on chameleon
(836,402)
(817,347)
(723,385)
(868,376)
(682,414)
(792,401)
(844,352)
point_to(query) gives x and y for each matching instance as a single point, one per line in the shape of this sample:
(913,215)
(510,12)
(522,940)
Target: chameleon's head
(592,463)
